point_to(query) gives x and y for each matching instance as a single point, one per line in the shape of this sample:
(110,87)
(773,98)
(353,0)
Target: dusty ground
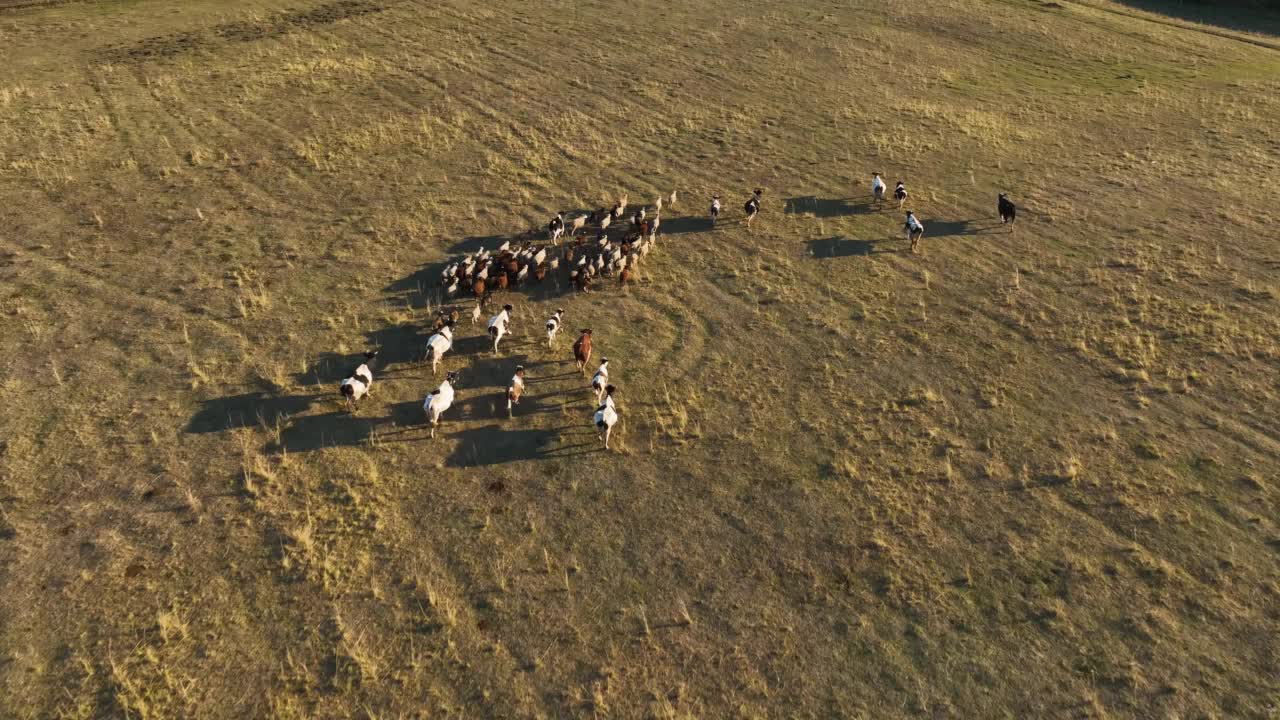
(1020,475)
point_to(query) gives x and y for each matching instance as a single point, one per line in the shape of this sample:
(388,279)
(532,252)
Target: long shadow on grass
(684,224)
(951,228)
(396,345)
(833,247)
(827,207)
(246,410)
(332,429)
(404,422)
(498,444)
(420,288)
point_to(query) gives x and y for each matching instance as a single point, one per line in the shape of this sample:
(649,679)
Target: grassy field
(1031,474)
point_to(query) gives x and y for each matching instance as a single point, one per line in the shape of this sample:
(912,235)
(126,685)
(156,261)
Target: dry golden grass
(1020,475)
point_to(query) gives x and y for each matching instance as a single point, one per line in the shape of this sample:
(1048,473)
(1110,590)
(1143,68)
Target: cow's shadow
(420,288)
(396,345)
(336,428)
(403,422)
(834,247)
(685,224)
(497,445)
(246,410)
(958,228)
(828,207)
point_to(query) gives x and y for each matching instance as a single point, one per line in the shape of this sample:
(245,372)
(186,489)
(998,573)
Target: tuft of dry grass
(171,625)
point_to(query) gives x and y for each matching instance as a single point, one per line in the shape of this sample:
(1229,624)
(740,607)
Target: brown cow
(582,350)
(477,288)
(442,318)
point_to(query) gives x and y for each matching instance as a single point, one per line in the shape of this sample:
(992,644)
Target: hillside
(1030,473)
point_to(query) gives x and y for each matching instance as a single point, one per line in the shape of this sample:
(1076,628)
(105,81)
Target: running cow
(1008,211)
(914,230)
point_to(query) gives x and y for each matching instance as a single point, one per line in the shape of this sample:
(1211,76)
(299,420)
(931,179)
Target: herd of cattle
(483,272)
(583,263)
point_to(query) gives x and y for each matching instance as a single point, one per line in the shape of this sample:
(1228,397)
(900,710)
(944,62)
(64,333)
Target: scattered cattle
(601,378)
(513,264)
(553,326)
(606,416)
(439,344)
(555,228)
(914,230)
(752,207)
(515,389)
(500,325)
(356,385)
(439,400)
(1008,211)
(582,350)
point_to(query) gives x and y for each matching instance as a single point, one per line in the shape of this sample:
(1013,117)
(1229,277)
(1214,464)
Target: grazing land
(1021,474)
